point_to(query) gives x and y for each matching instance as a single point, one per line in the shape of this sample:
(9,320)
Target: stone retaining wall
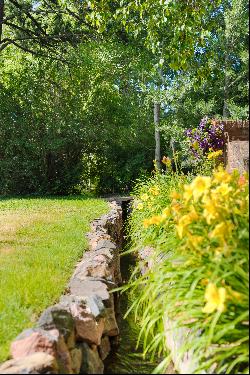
(236,149)
(175,336)
(76,335)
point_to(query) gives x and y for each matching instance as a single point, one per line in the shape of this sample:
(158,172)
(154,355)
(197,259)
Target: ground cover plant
(198,230)
(40,243)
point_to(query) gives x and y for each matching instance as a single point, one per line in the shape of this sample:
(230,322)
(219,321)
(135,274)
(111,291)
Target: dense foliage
(76,127)
(79,81)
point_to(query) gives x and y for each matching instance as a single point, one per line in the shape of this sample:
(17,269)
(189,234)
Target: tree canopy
(79,80)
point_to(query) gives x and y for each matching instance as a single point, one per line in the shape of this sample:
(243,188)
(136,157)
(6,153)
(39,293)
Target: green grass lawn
(40,243)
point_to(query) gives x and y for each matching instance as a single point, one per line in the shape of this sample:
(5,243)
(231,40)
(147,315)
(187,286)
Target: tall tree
(235,47)
(157,107)
(174,31)
(1,18)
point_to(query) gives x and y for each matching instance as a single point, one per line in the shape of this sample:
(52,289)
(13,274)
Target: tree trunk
(157,136)
(1,18)
(226,112)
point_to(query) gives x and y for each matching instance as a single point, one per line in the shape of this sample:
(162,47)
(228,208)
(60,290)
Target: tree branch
(35,53)
(27,31)
(4,45)
(14,2)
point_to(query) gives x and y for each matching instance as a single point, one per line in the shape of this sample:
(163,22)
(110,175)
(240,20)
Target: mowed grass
(40,243)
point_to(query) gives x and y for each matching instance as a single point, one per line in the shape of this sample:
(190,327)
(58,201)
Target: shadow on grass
(50,197)
(76,197)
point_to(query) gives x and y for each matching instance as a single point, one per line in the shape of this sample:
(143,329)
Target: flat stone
(105,347)
(90,287)
(92,363)
(106,244)
(36,363)
(38,340)
(60,318)
(94,267)
(92,304)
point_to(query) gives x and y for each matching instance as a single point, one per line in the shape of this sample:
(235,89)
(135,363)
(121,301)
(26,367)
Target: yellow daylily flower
(149,205)
(222,230)
(167,161)
(195,241)
(176,207)
(214,154)
(184,221)
(221,175)
(174,195)
(215,297)
(166,212)
(193,215)
(154,190)
(210,212)
(146,223)
(153,220)
(140,206)
(200,186)
(188,192)
(224,189)
(156,219)
(144,197)
(195,145)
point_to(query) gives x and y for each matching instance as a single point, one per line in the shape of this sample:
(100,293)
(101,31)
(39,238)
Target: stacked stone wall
(77,334)
(236,151)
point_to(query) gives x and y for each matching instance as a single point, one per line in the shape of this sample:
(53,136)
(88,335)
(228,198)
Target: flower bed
(198,228)
(208,135)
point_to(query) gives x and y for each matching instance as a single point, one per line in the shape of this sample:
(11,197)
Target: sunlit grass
(40,242)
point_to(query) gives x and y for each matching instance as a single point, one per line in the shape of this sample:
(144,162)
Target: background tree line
(79,81)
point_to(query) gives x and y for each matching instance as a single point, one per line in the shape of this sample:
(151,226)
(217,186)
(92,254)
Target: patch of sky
(36,4)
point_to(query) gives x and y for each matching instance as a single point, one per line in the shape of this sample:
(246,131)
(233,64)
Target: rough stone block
(36,363)
(92,304)
(92,363)
(38,340)
(96,237)
(76,359)
(57,317)
(88,315)
(105,347)
(110,325)
(238,156)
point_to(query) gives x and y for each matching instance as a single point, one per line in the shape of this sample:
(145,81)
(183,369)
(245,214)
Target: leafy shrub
(208,135)
(198,228)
